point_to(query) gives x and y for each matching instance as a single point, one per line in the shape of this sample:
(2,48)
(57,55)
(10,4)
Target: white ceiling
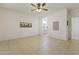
(26,7)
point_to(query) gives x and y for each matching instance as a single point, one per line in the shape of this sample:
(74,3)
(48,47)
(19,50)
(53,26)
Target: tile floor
(39,45)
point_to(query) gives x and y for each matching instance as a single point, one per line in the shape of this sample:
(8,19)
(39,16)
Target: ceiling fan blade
(45,9)
(33,9)
(33,5)
(43,4)
(38,5)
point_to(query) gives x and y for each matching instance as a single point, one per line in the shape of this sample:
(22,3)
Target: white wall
(1,27)
(60,16)
(9,25)
(69,24)
(75,13)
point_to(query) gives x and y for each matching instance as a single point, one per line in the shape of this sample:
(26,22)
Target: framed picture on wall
(56,25)
(25,25)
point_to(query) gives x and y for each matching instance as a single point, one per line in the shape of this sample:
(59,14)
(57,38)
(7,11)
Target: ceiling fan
(39,7)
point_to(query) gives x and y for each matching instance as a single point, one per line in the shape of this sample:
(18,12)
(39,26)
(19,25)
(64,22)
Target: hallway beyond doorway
(45,25)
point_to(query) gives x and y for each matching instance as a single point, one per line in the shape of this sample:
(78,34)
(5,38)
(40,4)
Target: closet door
(75,28)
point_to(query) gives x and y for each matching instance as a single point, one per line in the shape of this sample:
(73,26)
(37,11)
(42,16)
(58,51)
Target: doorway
(45,26)
(44,36)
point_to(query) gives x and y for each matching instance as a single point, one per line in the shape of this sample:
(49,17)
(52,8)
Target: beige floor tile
(39,45)
(4,46)
(11,53)
(15,45)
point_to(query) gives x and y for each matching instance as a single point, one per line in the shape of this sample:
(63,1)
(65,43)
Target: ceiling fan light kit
(39,7)
(38,10)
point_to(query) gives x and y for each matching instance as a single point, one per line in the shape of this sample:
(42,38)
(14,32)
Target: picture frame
(25,25)
(56,25)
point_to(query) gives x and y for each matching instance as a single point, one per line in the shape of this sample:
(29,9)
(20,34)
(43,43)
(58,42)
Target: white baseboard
(56,38)
(19,37)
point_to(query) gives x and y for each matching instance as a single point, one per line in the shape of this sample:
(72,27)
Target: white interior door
(75,28)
